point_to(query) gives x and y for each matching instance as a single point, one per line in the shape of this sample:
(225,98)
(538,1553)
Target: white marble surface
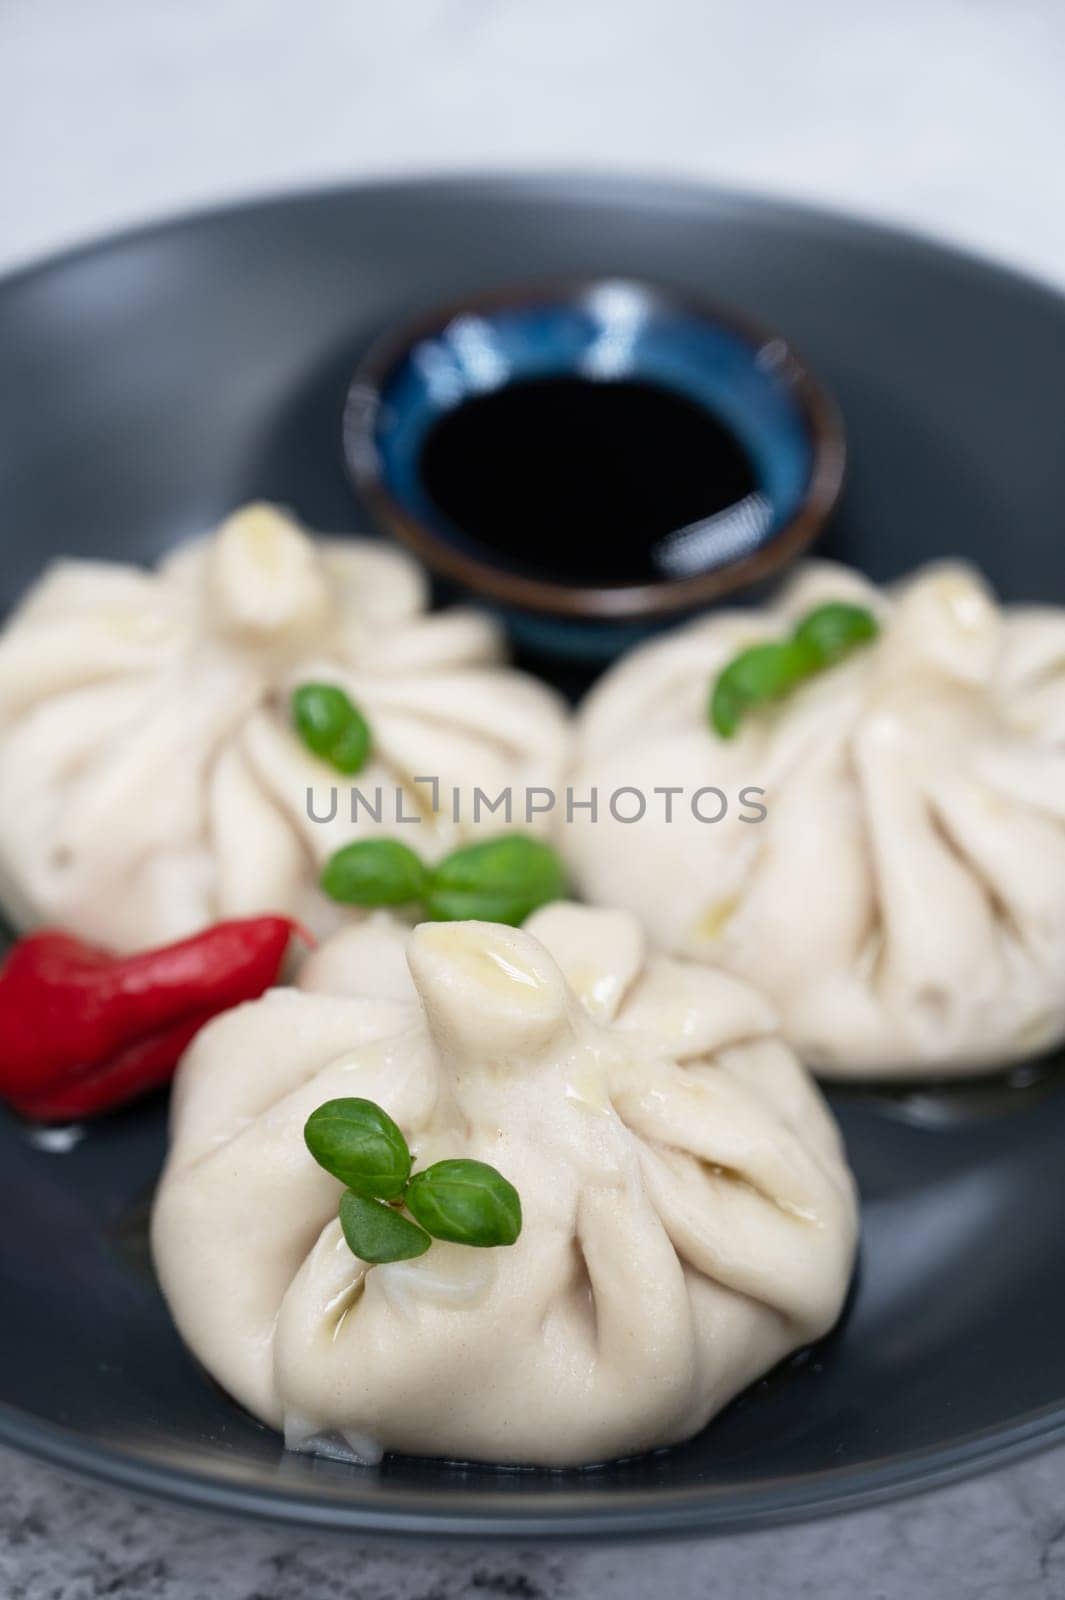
(946,115)
(993,1538)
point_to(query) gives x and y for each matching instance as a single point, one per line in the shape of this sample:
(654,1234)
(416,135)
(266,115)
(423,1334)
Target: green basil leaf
(375,1233)
(359,1143)
(501,880)
(833,630)
(767,672)
(331,726)
(762,673)
(375,872)
(350,750)
(727,706)
(467,1202)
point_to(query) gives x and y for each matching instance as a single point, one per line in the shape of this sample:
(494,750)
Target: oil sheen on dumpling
(903,902)
(688,1214)
(150,779)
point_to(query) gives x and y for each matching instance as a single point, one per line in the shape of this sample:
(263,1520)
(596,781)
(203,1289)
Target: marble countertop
(999,1537)
(944,115)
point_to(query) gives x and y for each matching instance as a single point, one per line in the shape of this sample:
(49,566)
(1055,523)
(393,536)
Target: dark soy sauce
(580,480)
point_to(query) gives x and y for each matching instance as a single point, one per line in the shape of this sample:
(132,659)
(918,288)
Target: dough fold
(688,1214)
(903,901)
(151,781)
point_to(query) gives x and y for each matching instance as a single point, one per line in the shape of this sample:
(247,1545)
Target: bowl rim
(818,409)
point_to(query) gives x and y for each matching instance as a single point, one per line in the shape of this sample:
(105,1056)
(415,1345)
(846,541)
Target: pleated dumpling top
(688,1213)
(902,898)
(151,779)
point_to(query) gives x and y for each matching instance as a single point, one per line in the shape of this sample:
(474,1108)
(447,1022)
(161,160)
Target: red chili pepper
(83,1030)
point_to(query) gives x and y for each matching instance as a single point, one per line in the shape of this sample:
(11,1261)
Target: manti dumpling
(903,900)
(689,1216)
(150,777)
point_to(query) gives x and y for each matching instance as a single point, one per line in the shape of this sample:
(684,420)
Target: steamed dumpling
(150,779)
(903,900)
(689,1217)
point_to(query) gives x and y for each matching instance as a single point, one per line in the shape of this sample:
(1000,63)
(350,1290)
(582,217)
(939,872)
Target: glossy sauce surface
(583,480)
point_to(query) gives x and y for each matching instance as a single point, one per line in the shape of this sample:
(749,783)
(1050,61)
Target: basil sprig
(463,1201)
(377,1233)
(767,672)
(331,726)
(375,872)
(503,879)
(499,880)
(359,1144)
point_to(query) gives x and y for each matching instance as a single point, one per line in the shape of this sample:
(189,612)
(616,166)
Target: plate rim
(607,185)
(691,1514)
(700,1511)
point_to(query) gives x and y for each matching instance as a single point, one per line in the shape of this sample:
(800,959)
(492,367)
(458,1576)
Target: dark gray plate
(149,384)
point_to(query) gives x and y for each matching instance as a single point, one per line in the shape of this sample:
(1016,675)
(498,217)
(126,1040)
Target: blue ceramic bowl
(747,377)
